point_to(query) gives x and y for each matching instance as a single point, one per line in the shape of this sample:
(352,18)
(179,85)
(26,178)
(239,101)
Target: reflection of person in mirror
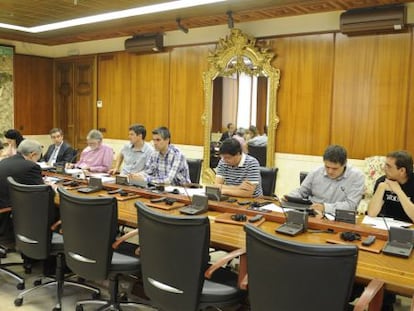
(394,192)
(238,174)
(254,138)
(231,130)
(240,137)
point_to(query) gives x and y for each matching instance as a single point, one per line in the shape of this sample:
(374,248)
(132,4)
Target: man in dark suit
(59,152)
(231,130)
(23,168)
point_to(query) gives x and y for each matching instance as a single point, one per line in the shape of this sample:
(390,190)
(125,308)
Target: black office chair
(269,176)
(290,276)
(259,152)
(174,253)
(3,253)
(33,215)
(89,227)
(194,166)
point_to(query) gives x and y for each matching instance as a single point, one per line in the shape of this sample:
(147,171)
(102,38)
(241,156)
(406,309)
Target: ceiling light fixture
(180,26)
(230,21)
(149,9)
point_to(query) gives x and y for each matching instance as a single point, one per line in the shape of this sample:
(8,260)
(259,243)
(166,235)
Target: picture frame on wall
(6,88)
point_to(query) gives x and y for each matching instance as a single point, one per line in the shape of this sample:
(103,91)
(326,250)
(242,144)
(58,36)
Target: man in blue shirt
(167,165)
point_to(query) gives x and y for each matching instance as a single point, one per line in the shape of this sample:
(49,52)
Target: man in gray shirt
(336,185)
(135,154)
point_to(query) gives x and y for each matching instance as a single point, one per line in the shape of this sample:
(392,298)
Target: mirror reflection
(240,98)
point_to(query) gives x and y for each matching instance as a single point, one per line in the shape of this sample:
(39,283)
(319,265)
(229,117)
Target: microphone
(284,212)
(75,154)
(385,222)
(186,193)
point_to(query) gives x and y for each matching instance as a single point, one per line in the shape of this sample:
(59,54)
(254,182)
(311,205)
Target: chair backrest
(259,152)
(291,276)
(174,256)
(194,166)
(269,176)
(89,228)
(33,213)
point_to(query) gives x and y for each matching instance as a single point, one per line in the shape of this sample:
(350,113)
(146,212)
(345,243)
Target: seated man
(394,192)
(60,152)
(255,139)
(167,165)
(134,154)
(231,130)
(238,174)
(336,185)
(96,157)
(23,168)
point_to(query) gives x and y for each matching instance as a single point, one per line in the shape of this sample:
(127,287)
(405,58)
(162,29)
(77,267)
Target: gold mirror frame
(237,47)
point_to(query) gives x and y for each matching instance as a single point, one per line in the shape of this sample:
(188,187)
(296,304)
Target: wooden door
(75,98)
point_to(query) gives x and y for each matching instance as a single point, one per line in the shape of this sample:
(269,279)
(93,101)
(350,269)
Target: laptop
(95,185)
(296,222)
(296,203)
(400,242)
(199,204)
(214,193)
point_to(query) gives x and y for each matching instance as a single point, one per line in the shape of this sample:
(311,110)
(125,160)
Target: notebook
(214,193)
(199,204)
(95,185)
(400,242)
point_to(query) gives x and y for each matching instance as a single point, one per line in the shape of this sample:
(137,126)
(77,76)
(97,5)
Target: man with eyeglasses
(394,192)
(166,165)
(97,157)
(335,185)
(60,151)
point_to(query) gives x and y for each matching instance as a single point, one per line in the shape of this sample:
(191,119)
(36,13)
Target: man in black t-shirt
(394,192)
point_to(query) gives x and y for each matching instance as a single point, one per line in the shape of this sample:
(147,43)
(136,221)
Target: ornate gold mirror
(234,58)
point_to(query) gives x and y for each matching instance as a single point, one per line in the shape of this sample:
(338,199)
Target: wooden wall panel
(187,99)
(304,97)
(370,93)
(409,133)
(150,92)
(84,99)
(114,90)
(33,94)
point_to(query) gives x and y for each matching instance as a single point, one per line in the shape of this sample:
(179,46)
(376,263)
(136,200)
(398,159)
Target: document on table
(187,191)
(379,222)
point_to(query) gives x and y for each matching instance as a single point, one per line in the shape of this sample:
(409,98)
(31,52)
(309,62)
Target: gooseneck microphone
(385,222)
(75,154)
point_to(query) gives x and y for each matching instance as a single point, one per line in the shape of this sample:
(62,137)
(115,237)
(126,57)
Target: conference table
(396,272)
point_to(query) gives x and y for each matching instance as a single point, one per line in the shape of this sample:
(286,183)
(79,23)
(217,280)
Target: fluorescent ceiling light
(149,9)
